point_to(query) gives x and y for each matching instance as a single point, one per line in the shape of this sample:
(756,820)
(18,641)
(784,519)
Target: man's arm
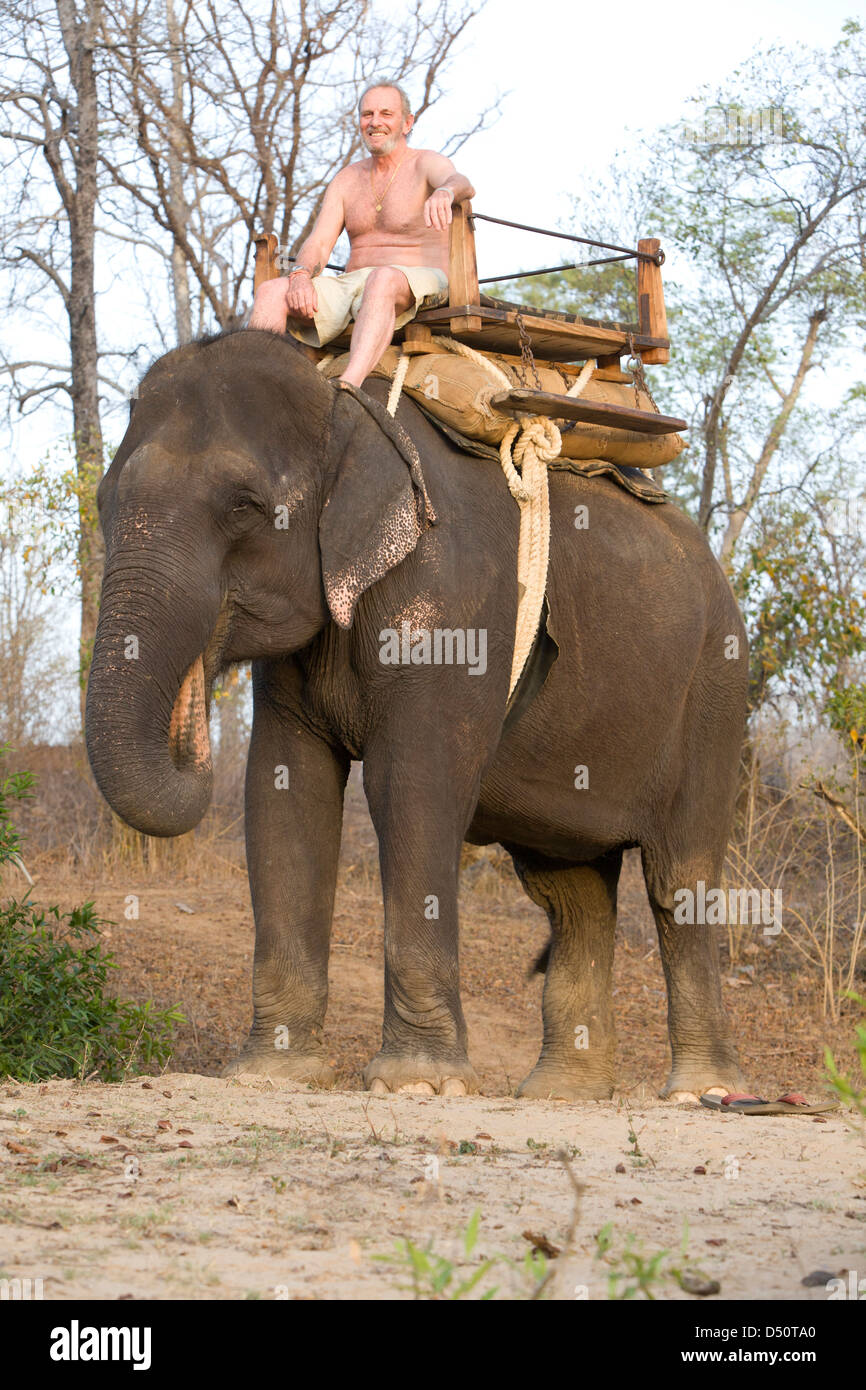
(448,186)
(312,256)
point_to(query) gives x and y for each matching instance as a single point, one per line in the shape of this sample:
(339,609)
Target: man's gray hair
(395,87)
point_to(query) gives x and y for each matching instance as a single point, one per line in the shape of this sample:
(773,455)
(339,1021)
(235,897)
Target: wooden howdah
(558,340)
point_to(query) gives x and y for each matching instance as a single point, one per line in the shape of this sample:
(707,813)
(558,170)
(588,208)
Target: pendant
(378,207)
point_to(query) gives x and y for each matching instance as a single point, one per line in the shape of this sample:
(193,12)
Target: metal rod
(549,269)
(292,259)
(566,236)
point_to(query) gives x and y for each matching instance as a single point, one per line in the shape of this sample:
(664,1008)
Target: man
(396,209)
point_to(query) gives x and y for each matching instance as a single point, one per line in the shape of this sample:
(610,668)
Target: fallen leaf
(17,1148)
(620,1168)
(184,1144)
(186,1131)
(700,1169)
(235,1202)
(108,1139)
(163,1124)
(182,907)
(543,1244)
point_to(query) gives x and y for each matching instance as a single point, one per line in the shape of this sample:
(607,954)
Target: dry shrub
(790,838)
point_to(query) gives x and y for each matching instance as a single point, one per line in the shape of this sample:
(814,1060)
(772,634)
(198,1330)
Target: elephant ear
(377,506)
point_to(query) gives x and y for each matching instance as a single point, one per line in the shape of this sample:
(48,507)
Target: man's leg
(270,307)
(386,294)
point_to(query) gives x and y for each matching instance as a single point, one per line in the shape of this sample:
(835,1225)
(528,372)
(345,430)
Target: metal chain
(526,358)
(635,366)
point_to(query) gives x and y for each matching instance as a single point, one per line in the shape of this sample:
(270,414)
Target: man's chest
(395,208)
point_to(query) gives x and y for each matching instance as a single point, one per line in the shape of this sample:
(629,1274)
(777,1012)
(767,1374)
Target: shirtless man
(396,208)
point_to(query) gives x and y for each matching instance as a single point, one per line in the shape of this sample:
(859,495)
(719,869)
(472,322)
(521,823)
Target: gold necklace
(383,196)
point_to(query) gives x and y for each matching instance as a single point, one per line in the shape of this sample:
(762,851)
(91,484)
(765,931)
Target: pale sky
(582,79)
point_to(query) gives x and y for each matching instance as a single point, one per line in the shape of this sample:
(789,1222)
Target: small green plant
(847,1088)
(434,1277)
(55,1018)
(633,1273)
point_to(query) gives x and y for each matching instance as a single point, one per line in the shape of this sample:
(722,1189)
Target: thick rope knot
(539,434)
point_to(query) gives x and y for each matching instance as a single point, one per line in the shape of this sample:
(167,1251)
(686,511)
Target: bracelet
(443,189)
(301,268)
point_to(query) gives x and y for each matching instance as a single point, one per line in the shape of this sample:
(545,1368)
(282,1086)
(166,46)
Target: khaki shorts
(340,299)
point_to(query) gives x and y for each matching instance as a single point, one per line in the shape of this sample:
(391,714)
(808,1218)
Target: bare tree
(243,111)
(49,126)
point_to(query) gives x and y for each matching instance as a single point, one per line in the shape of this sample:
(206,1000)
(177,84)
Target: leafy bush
(847,1088)
(55,1018)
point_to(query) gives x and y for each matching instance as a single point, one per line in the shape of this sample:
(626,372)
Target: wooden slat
(621,417)
(652,316)
(555,340)
(266,259)
(462,267)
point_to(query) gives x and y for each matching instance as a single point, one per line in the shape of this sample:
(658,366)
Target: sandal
(742,1103)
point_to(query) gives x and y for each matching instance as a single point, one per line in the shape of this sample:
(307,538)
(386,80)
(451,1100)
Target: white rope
(397,384)
(452,345)
(576,388)
(538,444)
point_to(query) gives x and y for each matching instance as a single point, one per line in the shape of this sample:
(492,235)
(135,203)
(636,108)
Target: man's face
(382,121)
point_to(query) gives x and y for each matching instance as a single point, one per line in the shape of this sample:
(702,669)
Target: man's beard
(388,146)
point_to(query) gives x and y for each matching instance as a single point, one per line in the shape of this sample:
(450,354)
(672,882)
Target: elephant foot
(547,1082)
(687,1084)
(419,1076)
(282,1065)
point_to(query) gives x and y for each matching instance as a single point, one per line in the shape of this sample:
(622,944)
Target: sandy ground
(189,1186)
(195,1187)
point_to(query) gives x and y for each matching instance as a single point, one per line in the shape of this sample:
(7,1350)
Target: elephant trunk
(146,713)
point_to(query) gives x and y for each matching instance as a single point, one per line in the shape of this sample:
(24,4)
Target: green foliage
(848,1089)
(434,1277)
(55,1017)
(805,620)
(634,1273)
(846,711)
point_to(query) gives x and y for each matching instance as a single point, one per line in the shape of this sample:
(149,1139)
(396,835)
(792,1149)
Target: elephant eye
(245,504)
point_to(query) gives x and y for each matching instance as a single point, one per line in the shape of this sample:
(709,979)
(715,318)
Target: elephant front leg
(577,1054)
(420,816)
(294,803)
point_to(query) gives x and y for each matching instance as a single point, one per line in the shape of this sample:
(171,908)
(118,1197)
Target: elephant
(256,512)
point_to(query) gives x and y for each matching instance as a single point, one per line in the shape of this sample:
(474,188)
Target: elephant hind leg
(703,1054)
(577,1054)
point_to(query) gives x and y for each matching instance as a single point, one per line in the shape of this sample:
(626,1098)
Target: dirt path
(190,1186)
(194,1187)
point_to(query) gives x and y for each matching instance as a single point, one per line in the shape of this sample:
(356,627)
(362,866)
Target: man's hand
(301,298)
(437,209)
